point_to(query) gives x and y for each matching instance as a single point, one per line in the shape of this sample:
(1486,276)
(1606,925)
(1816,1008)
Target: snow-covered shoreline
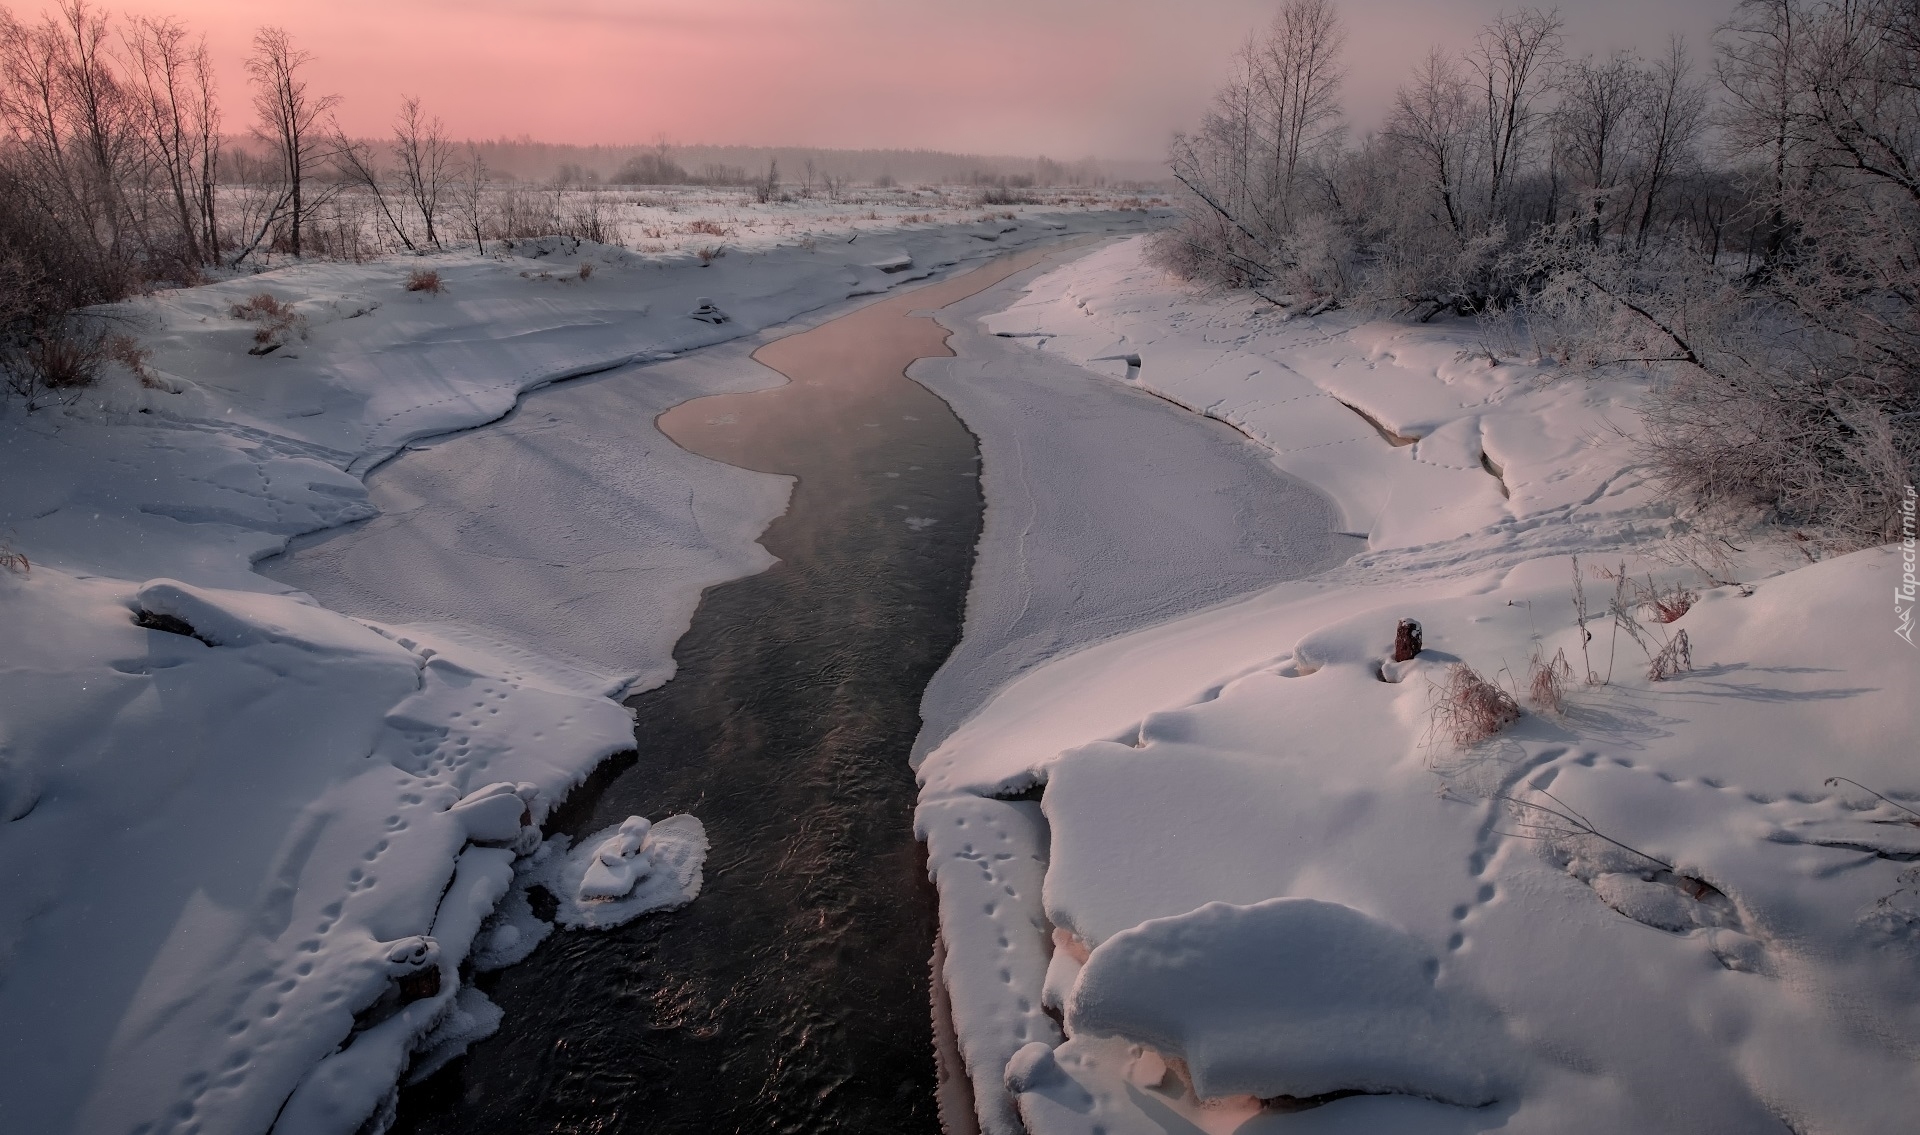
(1643,912)
(250,842)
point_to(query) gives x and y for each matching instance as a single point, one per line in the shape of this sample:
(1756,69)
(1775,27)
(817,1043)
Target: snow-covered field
(248,842)
(1263,876)
(670,220)
(677,222)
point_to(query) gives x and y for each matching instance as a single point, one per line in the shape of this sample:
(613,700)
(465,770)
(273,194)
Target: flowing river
(792,996)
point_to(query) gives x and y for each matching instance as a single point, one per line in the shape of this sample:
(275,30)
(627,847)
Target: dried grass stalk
(278,321)
(1468,709)
(1671,660)
(1547,680)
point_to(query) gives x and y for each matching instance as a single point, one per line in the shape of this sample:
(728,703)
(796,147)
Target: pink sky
(1067,78)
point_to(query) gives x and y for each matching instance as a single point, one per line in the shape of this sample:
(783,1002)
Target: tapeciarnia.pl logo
(1903,596)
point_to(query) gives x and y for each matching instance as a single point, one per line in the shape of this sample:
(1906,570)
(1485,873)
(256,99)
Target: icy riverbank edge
(251,845)
(1245,886)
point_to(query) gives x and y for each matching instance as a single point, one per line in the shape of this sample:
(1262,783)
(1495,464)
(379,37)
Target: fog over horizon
(1069,79)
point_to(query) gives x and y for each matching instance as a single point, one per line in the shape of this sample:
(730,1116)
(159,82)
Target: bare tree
(1755,65)
(1600,105)
(1277,114)
(1297,77)
(100,109)
(422,147)
(1431,120)
(35,107)
(1512,59)
(181,124)
(1674,113)
(207,117)
(67,114)
(289,120)
(1859,114)
(70,175)
(470,196)
(356,164)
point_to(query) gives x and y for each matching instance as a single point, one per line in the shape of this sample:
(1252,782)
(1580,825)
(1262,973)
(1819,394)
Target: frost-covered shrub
(1789,422)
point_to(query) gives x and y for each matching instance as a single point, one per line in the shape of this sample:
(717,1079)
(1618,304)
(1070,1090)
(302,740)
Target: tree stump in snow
(1406,640)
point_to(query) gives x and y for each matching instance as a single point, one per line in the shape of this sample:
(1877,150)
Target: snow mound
(625,871)
(237,618)
(705,311)
(1291,997)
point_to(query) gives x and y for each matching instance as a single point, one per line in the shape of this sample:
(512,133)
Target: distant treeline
(661,163)
(583,166)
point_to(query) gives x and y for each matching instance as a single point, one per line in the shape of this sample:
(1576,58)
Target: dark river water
(792,996)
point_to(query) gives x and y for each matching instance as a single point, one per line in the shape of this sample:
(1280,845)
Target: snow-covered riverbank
(1262,876)
(249,843)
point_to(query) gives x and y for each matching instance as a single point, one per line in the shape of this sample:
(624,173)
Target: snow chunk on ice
(238,618)
(473,1017)
(618,863)
(622,872)
(705,311)
(1291,997)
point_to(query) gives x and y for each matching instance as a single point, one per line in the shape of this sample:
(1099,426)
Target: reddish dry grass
(278,321)
(1666,606)
(1547,680)
(66,362)
(127,351)
(260,308)
(425,280)
(1468,709)
(710,228)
